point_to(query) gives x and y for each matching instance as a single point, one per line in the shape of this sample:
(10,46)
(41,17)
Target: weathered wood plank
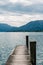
(19,56)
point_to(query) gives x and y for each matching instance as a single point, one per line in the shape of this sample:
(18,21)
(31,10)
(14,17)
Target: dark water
(8,41)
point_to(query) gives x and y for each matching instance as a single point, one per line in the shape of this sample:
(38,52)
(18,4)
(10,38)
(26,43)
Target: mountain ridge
(33,26)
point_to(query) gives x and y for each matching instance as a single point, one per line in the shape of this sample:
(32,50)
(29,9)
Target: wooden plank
(19,56)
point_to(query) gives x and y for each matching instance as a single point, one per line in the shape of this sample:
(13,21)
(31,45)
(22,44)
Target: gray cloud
(5,1)
(19,8)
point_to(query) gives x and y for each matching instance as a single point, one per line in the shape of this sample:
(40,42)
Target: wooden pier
(21,55)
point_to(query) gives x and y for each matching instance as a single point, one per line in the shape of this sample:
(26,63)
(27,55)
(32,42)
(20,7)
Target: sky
(20,12)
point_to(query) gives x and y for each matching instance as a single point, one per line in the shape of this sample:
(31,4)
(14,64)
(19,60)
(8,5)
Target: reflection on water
(8,41)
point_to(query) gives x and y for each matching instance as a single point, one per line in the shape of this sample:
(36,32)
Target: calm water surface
(8,41)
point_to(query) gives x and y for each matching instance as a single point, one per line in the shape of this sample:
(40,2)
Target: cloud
(19,20)
(3,2)
(19,8)
(14,20)
(36,1)
(24,2)
(20,12)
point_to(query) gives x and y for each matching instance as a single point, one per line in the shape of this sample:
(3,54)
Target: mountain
(7,28)
(33,26)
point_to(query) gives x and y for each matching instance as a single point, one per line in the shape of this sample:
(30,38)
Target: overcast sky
(20,12)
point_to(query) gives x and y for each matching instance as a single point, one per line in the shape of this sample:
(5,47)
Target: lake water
(8,41)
